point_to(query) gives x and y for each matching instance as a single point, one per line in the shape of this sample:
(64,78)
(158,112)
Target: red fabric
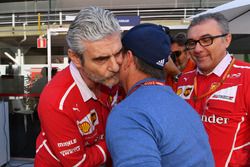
(225,112)
(70,127)
(189,67)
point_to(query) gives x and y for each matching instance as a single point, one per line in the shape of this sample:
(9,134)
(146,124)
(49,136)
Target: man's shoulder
(57,88)
(239,64)
(62,79)
(189,73)
(190,66)
(147,98)
(241,68)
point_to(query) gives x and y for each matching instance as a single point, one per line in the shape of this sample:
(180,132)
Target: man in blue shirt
(152,126)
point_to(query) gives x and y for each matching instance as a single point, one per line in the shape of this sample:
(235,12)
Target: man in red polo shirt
(181,59)
(75,104)
(219,90)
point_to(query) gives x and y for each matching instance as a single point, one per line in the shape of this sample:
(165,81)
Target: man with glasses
(219,90)
(181,59)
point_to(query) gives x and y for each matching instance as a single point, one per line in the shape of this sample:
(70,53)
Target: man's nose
(198,47)
(114,64)
(119,58)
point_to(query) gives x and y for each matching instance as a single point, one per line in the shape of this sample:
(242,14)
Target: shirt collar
(86,93)
(141,82)
(221,67)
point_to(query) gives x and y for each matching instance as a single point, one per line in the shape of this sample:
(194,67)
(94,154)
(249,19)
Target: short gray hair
(91,24)
(218,17)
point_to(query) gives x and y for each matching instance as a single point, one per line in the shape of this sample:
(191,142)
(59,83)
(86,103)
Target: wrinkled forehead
(106,46)
(175,47)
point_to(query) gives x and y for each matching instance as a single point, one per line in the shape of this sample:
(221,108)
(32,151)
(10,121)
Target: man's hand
(170,68)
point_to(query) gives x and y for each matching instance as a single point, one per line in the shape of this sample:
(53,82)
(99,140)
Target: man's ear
(228,40)
(128,59)
(74,58)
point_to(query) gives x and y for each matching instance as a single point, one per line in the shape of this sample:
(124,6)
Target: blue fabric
(154,127)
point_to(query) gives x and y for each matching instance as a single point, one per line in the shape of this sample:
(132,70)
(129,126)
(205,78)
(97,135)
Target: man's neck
(93,86)
(133,79)
(183,65)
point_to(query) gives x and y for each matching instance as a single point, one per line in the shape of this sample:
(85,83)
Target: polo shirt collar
(221,67)
(141,82)
(86,93)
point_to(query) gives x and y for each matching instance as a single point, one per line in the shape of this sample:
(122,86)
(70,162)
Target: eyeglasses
(205,41)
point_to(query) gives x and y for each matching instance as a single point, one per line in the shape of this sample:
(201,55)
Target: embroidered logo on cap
(160,62)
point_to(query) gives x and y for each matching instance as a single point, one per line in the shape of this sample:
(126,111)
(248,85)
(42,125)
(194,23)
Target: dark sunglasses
(176,53)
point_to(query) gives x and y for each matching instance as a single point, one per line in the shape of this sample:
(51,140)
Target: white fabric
(85,91)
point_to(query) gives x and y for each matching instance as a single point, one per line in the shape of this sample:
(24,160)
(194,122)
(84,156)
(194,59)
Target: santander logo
(214,120)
